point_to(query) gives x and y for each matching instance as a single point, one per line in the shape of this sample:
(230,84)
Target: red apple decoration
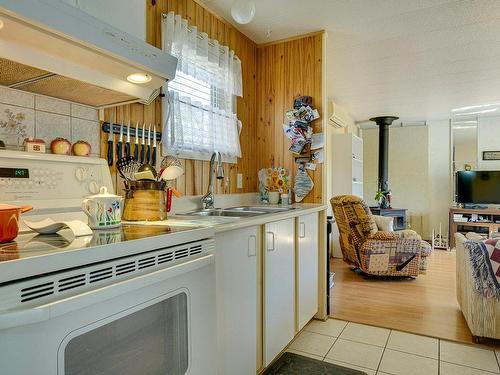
(81,148)
(60,146)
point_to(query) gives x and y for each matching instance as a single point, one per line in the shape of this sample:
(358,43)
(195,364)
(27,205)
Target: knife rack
(116,130)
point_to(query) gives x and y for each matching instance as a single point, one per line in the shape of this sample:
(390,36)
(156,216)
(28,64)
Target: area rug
(294,364)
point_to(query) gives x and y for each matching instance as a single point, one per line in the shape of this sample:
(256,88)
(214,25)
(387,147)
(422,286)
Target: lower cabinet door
(307,268)
(236,280)
(279,287)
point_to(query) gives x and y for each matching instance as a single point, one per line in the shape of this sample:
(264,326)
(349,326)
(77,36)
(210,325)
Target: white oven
(138,300)
(114,318)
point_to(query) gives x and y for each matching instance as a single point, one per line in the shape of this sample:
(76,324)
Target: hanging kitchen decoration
(298,129)
(303,184)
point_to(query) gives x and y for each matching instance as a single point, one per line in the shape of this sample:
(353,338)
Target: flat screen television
(478,187)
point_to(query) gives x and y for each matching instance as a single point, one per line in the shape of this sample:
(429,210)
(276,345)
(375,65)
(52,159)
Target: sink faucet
(208,198)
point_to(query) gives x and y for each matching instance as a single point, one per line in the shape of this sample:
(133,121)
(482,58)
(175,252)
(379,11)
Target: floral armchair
(376,252)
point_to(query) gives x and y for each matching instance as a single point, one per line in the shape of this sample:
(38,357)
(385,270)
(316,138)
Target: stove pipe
(383,123)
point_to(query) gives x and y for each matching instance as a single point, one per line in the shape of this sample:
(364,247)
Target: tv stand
(483,221)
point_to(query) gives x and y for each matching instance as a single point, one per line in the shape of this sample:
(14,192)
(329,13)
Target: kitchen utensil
(153,157)
(136,142)
(146,200)
(110,140)
(172,168)
(148,150)
(143,143)
(119,145)
(148,167)
(146,175)
(128,167)
(9,221)
(49,226)
(103,209)
(127,143)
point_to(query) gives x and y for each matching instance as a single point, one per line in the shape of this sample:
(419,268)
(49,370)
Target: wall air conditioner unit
(337,117)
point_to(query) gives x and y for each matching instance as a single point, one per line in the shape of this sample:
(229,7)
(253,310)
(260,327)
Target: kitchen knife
(148,149)
(136,142)
(153,156)
(110,141)
(127,143)
(143,142)
(119,145)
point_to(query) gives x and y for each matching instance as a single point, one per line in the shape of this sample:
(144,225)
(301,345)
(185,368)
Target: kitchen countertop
(224,223)
(33,254)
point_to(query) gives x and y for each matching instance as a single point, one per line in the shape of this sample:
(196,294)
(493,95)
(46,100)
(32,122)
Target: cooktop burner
(33,244)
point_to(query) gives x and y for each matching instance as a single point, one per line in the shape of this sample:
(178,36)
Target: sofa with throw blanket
(374,251)
(478,289)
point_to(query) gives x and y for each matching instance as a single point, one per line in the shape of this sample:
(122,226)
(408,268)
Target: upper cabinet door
(279,287)
(236,277)
(307,268)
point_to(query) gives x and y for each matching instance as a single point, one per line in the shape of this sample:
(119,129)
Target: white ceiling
(416,59)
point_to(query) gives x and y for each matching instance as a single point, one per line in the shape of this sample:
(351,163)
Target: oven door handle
(37,314)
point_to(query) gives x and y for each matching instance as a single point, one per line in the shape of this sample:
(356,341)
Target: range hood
(51,48)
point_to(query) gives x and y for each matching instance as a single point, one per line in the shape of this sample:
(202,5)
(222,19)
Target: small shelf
(358,182)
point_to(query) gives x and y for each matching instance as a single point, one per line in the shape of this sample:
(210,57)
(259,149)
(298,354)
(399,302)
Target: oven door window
(151,341)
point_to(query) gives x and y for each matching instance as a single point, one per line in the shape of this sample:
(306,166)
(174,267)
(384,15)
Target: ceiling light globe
(243,11)
(139,78)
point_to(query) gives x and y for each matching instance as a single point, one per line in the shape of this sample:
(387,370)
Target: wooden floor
(426,305)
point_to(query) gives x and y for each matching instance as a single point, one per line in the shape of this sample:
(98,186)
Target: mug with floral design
(104,210)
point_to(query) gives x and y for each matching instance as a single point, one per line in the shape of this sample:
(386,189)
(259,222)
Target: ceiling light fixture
(1,24)
(464,127)
(139,78)
(461,109)
(243,11)
(476,112)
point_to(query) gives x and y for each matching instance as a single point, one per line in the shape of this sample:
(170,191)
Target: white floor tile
(313,343)
(413,344)
(398,363)
(365,334)
(452,369)
(309,355)
(468,355)
(355,353)
(331,327)
(348,365)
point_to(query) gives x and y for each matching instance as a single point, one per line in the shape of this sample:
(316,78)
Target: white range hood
(51,48)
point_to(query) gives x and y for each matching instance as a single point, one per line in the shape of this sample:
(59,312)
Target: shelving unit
(482,221)
(347,173)
(347,166)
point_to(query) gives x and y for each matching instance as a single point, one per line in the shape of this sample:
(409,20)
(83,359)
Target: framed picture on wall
(491,155)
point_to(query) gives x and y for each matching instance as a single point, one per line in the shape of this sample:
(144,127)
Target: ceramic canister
(103,209)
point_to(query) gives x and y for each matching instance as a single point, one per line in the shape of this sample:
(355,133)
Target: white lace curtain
(199,102)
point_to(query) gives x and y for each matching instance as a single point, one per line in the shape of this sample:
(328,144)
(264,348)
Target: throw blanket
(485,259)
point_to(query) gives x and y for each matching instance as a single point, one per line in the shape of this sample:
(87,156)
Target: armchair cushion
(384,223)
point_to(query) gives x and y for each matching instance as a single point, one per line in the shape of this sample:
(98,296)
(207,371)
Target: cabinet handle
(252,246)
(302,230)
(270,237)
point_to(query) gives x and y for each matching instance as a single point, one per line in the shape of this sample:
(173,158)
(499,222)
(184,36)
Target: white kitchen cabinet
(279,287)
(236,280)
(307,268)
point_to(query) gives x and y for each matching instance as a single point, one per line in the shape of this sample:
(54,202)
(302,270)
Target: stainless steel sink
(222,212)
(242,211)
(266,209)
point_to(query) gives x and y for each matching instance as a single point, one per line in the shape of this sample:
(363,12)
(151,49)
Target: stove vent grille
(66,283)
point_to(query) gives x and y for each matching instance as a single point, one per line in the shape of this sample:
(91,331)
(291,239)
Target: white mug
(103,210)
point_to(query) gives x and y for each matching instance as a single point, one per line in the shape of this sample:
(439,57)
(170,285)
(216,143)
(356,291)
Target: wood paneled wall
(273,75)
(286,70)
(195,179)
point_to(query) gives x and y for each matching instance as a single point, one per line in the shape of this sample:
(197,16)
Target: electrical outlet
(239,181)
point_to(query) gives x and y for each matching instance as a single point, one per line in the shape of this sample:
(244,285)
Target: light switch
(239,181)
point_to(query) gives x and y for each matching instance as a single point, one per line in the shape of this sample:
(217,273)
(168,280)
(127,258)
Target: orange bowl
(9,221)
